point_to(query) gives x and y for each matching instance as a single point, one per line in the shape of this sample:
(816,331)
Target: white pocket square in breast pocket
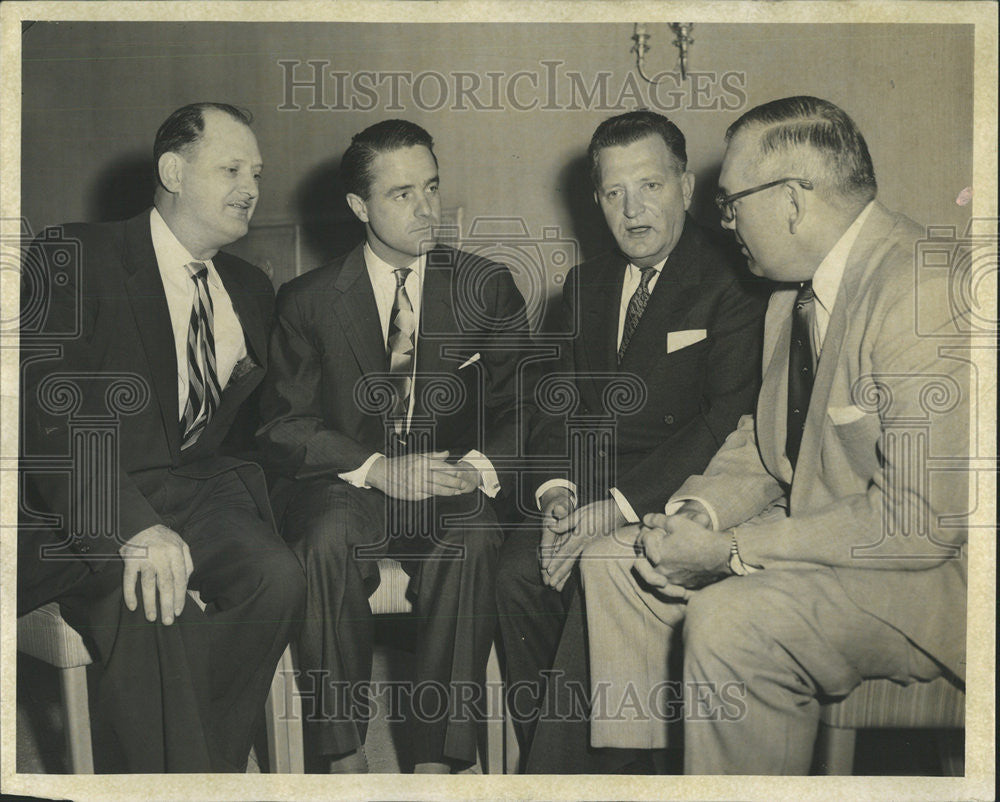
(676,340)
(470,360)
(841,416)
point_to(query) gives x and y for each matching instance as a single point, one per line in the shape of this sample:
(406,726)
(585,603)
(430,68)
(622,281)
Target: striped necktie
(203,379)
(402,326)
(636,306)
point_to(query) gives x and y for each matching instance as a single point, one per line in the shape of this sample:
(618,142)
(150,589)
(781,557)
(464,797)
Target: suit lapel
(599,315)
(437,314)
(248,312)
(152,320)
(357,312)
(874,231)
(772,404)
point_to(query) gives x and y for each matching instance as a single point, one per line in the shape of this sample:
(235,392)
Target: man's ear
(687,186)
(170,169)
(358,206)
(796,205)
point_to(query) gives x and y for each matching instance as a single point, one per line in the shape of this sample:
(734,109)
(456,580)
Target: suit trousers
(449,546)
(758,651)
(188,697)
(545,645)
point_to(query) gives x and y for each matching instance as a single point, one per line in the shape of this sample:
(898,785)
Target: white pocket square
(676,340)
(470,360)
(841,416)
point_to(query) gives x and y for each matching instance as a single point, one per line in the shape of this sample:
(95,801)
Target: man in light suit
(393,388)
(160,338)
(671,319)
(818,548)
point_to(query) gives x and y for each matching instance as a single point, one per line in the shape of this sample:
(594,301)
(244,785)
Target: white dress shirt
(383,279)
(172,258)
(633,278)
(826,285)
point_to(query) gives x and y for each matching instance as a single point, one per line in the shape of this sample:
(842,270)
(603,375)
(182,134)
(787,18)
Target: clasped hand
(566,530)
(415,477)
(679,553)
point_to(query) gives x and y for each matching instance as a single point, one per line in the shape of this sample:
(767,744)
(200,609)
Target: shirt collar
(658,267)
(826,280)
(379,266)
(171,254)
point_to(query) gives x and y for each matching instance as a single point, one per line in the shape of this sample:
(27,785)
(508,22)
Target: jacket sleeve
(294,435)
(60,338)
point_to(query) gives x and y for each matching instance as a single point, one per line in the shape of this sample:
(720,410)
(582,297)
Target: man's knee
(607,559)
(731,616)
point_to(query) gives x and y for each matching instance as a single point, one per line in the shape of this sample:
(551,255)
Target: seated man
(672,319)
(818,548)
(160,338)
(393,385)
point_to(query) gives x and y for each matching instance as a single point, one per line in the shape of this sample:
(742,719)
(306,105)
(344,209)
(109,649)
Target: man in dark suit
(393,387)
(671,326)
(821,545)
(161,333)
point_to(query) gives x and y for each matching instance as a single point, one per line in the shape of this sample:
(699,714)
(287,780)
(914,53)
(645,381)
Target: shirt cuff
(547,486)
(491,483)
(676,503)
(359,476)
(623,506)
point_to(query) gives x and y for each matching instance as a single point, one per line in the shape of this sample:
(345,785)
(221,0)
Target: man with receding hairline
(817,549)
(162,310)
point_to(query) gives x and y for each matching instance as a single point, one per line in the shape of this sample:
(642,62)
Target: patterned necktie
(636,306)
(402,325)
(203,379)
(800,370)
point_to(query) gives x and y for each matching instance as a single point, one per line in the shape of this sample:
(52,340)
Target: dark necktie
(203,380)
(402,325)
(800,370)
(636,306)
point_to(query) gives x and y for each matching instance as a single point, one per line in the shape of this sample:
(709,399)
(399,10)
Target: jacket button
(668,419)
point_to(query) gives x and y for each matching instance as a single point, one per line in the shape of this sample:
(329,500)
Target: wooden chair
(44,635)
(880,703)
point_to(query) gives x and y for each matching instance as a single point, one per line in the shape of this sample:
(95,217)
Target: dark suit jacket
(694,396)
(106,312)
(322,407)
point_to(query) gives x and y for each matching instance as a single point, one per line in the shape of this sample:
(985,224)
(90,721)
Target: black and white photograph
(567,399)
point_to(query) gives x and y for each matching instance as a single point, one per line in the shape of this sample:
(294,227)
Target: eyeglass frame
(722,201)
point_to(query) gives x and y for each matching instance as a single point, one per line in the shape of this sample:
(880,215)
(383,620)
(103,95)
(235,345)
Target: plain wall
(94,94)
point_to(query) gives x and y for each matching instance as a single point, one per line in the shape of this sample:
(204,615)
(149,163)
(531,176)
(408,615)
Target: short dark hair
(624,129)
(383,137)
(184,127)
(811,122)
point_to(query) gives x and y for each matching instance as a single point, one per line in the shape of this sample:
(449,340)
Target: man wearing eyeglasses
(817,549)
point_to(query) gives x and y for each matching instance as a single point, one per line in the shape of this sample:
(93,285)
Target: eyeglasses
(725,202)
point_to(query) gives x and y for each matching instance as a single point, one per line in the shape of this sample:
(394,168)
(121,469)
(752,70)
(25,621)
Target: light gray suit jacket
(881,486)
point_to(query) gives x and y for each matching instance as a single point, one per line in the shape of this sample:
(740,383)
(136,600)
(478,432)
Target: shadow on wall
(703,203)
(123,189)
(587,222)
(329,229)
